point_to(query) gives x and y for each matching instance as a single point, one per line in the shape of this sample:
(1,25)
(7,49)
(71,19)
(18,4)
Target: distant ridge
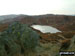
(61,22)
(3,17)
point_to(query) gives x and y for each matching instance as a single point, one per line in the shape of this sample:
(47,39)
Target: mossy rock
(18,39)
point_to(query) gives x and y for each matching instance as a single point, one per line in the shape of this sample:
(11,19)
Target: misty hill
(3,17)
(9,18)
(61,22)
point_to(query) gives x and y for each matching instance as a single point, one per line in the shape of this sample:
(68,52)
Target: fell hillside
(22,40)
(61,22)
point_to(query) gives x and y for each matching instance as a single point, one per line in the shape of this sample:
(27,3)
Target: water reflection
(45,29)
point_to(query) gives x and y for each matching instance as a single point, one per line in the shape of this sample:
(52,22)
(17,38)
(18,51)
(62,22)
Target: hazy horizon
(37,7)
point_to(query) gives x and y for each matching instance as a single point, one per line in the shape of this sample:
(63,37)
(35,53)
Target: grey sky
(36,7)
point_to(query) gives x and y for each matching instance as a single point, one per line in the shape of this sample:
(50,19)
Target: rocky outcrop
(72,45)
(18,39)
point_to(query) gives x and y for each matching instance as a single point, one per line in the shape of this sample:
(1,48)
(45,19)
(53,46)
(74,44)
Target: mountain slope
(61,22)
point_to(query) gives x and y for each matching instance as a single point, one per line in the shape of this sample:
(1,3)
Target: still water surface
(45,29)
